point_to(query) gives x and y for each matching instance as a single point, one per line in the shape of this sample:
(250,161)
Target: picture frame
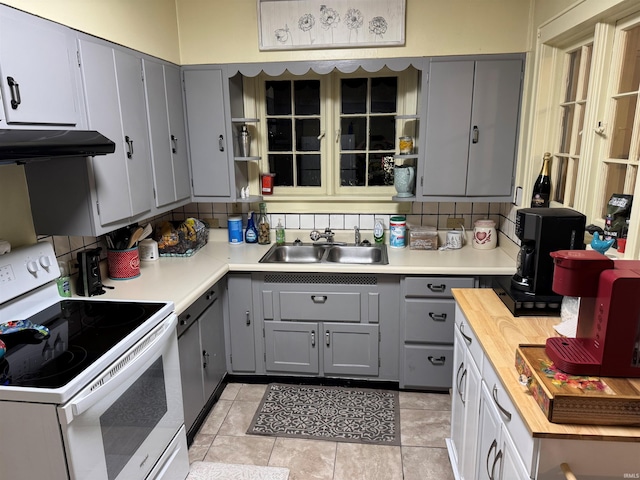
(321,24)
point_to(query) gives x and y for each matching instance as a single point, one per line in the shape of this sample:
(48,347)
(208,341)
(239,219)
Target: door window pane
(572,77)
(278,97)
(309,170)
(625,109)
(307,97)
(354,95)
(615,179)
(384,94)
(630,78)
(280,135)
(567,124)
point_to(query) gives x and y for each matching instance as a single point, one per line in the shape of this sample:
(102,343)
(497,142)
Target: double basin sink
(327,253)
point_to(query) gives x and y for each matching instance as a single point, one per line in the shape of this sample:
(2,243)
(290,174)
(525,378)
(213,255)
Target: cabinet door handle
(15,93)
(497,458)
(174,141)
(437,288)
(458,380)
(494,445)
(476,134)
(462,386)
(129,146)
(205,359)
(313,338)
(568,474)
(248,314)
(221,143)
(438,317)
(436,361)
(467,338)
(327,338)
(494,394)
(318,298)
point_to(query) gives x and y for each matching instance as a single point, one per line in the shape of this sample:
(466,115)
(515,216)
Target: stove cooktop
(81,331)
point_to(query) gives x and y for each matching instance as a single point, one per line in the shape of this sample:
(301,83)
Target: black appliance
(21,146)
(89,281)
(541,231)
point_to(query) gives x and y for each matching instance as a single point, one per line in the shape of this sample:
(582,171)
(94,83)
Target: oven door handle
(118,372)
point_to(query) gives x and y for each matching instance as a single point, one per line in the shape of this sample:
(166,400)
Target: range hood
(22,146)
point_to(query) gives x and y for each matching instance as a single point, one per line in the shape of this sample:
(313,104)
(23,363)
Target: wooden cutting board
(574,399)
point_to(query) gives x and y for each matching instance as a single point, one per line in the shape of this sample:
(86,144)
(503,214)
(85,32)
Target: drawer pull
(205,359)
(505,412)
(437,288)
(436,361)
(313,338)
(318,298)
(438,317)
(248,314)
(568,474)
(327,337)
(467,338)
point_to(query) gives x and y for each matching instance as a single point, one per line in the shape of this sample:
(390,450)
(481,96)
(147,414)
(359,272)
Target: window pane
(354,95)
(282,166)
(308,170)
(383,133)
(572,76)
(615,175)
(307,132)
(380,170)
(567,125)
(353,168)
(560,179)
(280,135)
(578,146)
(586,59)
(384,92)
(625,109)
(278,97)
(307,97)
(631,62)
(353,133)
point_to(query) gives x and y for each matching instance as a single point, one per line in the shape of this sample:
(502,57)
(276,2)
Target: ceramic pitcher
(404,175)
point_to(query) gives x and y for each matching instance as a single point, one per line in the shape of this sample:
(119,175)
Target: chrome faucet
(316,235)
(356,235)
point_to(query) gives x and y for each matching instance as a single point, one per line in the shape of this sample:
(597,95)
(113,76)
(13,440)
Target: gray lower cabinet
(202,353)
(473,108)
(341,348)
(328,324)
(427,325)
(239,324)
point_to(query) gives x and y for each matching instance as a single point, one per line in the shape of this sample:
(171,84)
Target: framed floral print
(311,24)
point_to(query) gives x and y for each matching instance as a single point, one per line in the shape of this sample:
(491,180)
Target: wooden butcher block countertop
(499,334)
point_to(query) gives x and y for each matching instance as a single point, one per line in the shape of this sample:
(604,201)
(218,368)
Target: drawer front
(327,306)
(429,320)
(470,340)
(428,366)
(509,415)
(435,286)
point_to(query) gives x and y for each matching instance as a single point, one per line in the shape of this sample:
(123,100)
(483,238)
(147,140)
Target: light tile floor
(424,424)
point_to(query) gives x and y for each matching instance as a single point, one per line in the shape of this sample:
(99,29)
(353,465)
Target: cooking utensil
(135,236)
(148,229)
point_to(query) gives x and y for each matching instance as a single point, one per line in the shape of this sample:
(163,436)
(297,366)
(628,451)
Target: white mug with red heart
(484,235)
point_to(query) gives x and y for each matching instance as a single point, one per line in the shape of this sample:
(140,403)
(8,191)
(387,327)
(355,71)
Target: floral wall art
(310,24)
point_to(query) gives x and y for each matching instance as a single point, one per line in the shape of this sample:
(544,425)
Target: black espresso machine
(541,231)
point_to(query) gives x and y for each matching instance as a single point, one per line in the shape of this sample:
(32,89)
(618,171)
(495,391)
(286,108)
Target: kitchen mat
(230,471)
(337,414)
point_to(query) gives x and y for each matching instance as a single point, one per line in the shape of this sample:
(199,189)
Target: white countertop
(183,279)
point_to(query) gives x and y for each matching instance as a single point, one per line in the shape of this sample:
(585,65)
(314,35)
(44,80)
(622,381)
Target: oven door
(119,426)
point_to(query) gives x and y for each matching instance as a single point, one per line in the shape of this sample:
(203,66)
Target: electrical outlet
(455,222)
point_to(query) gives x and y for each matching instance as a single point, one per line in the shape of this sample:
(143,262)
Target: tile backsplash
(433,214)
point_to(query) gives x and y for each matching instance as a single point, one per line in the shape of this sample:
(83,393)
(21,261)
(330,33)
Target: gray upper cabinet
(473,107)
(167,133)
(114,94)
(39,72)
(206,120)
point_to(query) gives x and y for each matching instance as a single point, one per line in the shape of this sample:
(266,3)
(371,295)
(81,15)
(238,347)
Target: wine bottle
(542,187)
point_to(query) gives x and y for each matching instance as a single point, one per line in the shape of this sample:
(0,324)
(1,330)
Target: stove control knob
(45,261)
(33,267)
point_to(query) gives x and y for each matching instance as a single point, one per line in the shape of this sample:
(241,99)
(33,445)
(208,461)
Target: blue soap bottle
(251,234)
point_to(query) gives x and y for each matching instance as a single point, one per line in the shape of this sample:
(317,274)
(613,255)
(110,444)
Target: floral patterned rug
(337,414)
(228,471)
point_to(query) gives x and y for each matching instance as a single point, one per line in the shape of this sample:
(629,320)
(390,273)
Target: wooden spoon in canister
(135,237)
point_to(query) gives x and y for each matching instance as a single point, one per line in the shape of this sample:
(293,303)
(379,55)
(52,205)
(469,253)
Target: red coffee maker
(607,342)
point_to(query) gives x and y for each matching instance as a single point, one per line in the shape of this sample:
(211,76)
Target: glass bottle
(264,229)
(542,187)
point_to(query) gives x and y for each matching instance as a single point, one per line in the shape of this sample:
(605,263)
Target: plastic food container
(397,232)
(234,224)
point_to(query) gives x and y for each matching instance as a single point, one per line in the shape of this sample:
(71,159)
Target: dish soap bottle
(250,234)
(378,231)
(542,187)
(63,282)
(264,229)
(279,233)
